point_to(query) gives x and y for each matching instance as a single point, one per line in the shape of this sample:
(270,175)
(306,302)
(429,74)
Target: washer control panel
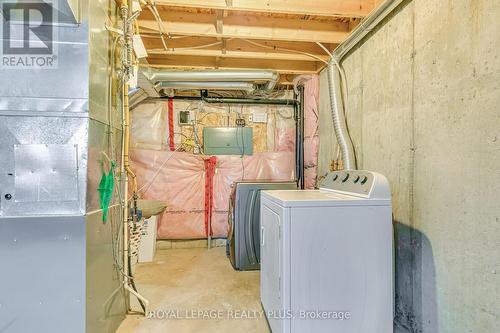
(349,181)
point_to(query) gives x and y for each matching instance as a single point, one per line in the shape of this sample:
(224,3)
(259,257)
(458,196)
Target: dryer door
(271,268)
(251,228)
(230,245)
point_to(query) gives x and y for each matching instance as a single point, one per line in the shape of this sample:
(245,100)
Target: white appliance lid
(319,198)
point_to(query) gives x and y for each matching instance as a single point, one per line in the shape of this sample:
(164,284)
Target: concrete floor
(183,280)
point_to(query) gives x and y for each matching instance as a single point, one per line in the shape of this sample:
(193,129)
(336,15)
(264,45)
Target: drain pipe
(334,82)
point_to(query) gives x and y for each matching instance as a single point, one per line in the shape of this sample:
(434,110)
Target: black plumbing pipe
(232,100)
(226,100)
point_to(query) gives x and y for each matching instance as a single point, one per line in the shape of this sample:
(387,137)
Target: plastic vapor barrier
(178,179)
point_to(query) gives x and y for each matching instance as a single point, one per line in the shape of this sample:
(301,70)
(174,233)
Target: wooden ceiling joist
(200,62)
(224,53)
(335,8)
(237,48)
(237,25)
(279,35)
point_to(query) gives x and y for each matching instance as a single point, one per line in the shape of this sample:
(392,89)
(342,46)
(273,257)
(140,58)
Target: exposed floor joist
(237,48)
(237,25)
(278,35)
(200,62)
(342,8)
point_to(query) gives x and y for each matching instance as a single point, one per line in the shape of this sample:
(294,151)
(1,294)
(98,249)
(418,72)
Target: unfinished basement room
(250,166)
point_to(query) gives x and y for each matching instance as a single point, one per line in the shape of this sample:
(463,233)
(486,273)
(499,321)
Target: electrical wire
(173,49)
(325,49)
(161,27)
(115,231)
(242,147)
(155,35)
(284,49)
(148,184)
(152,8)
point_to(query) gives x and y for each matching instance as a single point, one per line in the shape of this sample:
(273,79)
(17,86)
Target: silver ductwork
(334,81)
(212,75)
(136,97)
(213,79)
(245,86)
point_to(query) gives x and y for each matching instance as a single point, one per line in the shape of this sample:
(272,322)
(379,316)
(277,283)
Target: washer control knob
(356,179)
(8,196)
(364,179)
(345,177)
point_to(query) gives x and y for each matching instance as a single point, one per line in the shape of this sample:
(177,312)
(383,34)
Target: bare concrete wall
(424,109)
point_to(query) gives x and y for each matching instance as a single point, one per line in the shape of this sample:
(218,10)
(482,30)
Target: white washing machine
(327,256)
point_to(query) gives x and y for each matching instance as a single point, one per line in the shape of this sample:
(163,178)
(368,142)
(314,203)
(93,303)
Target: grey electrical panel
(228,140)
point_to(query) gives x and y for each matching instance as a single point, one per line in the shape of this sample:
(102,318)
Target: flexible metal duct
(338,117)
(337,105)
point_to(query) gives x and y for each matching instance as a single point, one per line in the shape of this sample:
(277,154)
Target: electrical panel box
(228,140)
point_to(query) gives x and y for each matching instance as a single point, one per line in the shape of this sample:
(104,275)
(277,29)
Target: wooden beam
(152,41)
(199,62)
(247,26)
(338,8)
(237,54)
(237,49)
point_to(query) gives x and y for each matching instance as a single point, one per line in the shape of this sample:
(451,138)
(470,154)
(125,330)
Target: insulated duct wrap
(338,117)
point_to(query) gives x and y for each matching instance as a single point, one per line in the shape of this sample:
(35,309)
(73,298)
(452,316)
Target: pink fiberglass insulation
(178,179)
(311,129)
(260,166)
(285,139)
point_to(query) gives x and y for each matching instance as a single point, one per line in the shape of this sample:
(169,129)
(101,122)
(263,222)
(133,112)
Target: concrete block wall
(424,109)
